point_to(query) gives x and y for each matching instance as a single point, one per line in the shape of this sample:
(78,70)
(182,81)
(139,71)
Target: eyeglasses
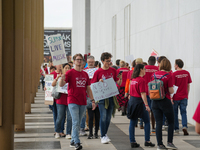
(79,59)
(108,61)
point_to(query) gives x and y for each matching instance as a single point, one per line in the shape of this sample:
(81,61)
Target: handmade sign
(49,88)
(57,50)
(129,59)
(61,89)
(90,72)
(105,89)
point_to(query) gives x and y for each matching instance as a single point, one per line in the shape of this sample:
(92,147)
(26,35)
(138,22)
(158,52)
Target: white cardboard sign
(61,89)
(90,72)
(105,89)
(49,87)
(129,59)
(57,49)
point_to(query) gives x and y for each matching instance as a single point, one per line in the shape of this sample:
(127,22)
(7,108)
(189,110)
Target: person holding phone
(120,97)
(138,106)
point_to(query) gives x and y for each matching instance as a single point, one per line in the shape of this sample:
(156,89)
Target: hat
(139,61)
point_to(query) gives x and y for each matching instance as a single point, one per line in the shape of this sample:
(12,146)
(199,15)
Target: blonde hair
(122,63)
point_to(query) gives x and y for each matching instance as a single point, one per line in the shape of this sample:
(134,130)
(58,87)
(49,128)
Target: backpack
(156,88)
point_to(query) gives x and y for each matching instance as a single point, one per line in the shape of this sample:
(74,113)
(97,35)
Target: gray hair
(90,57)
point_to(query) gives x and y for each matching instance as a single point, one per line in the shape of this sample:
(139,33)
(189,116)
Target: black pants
(160,107)
(97,117)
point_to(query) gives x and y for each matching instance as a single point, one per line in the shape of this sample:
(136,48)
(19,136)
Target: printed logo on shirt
(133,82)
(151,70)
(107,76)
(181,75)
(81,82)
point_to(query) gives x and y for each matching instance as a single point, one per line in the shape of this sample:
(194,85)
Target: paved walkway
(40,130)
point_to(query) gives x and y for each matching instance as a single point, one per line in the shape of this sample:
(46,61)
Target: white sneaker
(82,132)
(68,136)
(57,136)
(176,131)
(104,140)
(108,138)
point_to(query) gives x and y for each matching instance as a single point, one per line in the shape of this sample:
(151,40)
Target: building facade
(135,27)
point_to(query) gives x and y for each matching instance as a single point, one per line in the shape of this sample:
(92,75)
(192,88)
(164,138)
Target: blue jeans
(146,120)
(159,108)
(61,115)
(183,105)
(83,120)
(54,109)
(76,112)
(105,115)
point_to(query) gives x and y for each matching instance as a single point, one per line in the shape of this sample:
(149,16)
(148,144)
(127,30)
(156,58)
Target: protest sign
(61,89)
(57,50)
(90,72)
(105,89)
(129,59)
(49,88)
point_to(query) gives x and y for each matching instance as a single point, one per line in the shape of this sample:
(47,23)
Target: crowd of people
(136,98)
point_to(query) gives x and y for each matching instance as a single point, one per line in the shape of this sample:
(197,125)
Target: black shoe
(72,144)
(96,136)
(133,145)
(90,136)
(78,146)
(149,144)
(123,113)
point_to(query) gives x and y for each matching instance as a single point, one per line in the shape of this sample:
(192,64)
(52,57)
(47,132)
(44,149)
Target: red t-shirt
(167,81)
(78,82)
(181,79)
(129,74)
(62,100)
(124,75)
(137,86)
(150,70)
(196,116)
(54,74)
(105,74)
(46,70)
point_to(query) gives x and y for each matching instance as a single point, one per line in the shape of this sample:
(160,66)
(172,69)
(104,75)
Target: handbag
(55,94)
(89,103)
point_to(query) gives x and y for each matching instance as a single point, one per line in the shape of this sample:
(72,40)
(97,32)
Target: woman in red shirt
(120,97)
(164,106)
(62,108)
(138,106)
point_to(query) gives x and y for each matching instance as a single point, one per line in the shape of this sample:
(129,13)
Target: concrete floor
(40,130)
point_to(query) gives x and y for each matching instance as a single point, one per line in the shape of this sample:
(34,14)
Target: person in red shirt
(54,108)
(138,106)
(150,69)
(46,69)
(164,106)
(100,75)
(120,97)
(79,84)
(62,107)
(196,117)
(181,79)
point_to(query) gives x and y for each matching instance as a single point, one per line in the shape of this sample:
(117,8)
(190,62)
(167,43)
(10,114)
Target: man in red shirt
(181,79)
(79,84)
(196,117)
(150,70)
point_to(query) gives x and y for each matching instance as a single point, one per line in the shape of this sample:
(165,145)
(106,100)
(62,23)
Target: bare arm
(188,88)
(89,92)
(119,82)
(171,90)
(197,128)
(62,81)
(55,80)
(144,98)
